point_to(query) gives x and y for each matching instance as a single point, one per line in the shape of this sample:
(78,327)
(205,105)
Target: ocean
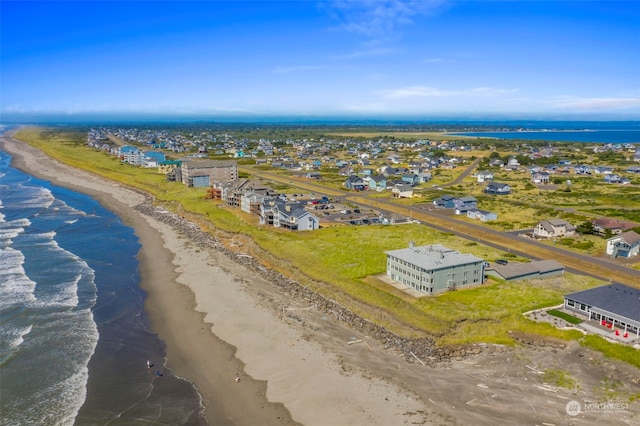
(74,338)
(590,131)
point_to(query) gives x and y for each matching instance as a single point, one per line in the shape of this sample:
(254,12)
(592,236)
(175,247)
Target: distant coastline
(560,135)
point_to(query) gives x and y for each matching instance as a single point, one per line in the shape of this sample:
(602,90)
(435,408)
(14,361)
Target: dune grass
(612,350)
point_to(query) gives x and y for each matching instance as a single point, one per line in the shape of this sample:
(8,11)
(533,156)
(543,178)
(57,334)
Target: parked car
(501,262)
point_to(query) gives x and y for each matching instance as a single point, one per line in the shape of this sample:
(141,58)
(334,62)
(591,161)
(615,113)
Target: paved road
(574,262)
(464,174)
(116,140)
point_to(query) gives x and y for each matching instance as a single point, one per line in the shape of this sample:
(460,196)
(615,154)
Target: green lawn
(569,318)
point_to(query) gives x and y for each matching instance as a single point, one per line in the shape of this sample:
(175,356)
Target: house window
(571,303)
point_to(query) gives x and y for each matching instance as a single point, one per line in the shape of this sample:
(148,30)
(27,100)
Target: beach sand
(208,311)
(219,319)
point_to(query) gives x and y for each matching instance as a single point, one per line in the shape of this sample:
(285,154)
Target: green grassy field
(340,263)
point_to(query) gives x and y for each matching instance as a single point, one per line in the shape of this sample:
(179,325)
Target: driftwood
(414,355)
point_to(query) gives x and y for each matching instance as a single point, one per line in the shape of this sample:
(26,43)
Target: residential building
(168,166)
(402,191)
(553,228)
(495,188)
(626,244)
(612,178)
(377,183)
(482,215)
(614,305)
(410,179)
(540,178)
(434,268)
(290,216)
(615,227)
(464,204)
(354,183)
(484,176)
(445,202)
(152,158)
(215,170)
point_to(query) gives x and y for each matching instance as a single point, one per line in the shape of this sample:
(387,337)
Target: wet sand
(208,310)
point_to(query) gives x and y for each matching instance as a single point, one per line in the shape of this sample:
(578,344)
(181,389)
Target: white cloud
(379,17)
(434,60)
(369,52)
(426,91)
(591,104)
(286,70)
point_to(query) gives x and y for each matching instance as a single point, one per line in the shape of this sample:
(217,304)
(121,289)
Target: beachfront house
(197,172)
(433,269)
(615,306)
(292,216)
(168,166)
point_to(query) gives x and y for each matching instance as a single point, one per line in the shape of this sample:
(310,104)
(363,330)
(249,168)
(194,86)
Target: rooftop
(435,256)
(615,298)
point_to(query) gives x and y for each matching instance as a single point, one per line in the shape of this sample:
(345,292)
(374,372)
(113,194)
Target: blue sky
(425,59)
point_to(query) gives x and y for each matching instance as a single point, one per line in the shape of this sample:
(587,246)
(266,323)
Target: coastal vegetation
(343,263)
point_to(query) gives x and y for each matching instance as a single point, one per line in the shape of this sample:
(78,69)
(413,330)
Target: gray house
(464,204)
(292,216)
(445,202)
(355,183)
(614,305)
(496,188)
(482,215)
(434,269)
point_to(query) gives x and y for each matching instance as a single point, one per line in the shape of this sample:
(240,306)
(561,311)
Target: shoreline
(191,346)
(218,317)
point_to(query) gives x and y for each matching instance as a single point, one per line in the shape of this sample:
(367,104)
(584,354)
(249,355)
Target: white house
(626,244)
(484,176)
